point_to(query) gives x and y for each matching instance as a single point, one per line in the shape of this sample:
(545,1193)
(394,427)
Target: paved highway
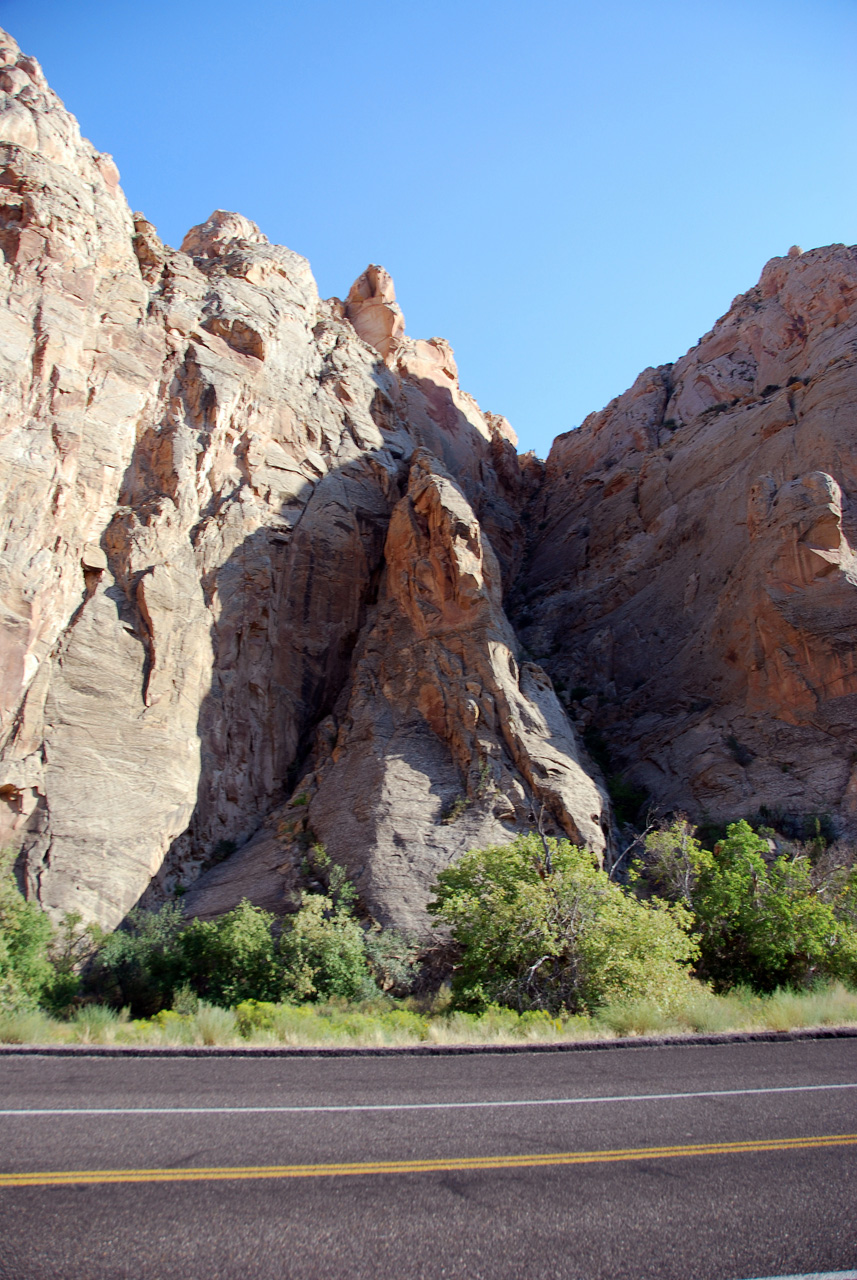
(694,1163)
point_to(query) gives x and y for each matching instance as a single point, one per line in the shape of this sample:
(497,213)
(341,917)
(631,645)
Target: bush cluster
(760,915)
(158,960)
(536,928)
(322,951)
(539,925)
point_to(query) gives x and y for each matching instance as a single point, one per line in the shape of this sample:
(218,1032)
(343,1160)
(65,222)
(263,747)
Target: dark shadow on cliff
(292,601)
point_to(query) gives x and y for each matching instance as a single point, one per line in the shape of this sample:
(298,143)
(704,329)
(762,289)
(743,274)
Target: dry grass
(741,1010)
(378,1024)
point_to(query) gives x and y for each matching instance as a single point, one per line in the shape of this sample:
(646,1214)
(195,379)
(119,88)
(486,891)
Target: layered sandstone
(254,551)
(691,579)
(261,551)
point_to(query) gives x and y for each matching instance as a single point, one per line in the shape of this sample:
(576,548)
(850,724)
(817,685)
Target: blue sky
(568,192)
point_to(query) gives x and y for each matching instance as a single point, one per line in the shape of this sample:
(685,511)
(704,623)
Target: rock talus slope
(255,546)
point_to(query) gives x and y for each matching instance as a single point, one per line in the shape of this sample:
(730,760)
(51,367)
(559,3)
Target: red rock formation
(256,547)
(202,460)
(695,569)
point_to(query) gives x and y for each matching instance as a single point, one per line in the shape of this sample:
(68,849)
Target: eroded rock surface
(260,552)
(443,741)
(691,580)
(214,486)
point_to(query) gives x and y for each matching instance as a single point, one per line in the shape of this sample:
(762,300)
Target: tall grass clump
(96,1024)
(28,1026)
(827,1005)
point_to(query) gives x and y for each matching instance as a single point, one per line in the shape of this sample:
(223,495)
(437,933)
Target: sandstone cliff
(255,546)
(691,579)
(260,555)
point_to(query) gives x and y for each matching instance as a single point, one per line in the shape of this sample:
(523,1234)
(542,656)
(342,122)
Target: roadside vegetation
(535,942)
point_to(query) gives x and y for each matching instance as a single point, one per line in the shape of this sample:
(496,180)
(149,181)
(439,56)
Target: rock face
(443,739)
(254,553)
(260,554)
(692,578)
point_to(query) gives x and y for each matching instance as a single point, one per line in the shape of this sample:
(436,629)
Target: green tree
(324,952)
(545,928)
(232,958)
(25,935)
(139,964)
(758,918)
(673,860)
(72,947)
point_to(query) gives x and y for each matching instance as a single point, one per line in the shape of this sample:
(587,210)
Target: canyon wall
(691,581)
(254,551)
(270,577)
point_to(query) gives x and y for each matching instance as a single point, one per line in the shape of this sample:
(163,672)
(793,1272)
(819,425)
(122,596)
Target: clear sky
(567,191)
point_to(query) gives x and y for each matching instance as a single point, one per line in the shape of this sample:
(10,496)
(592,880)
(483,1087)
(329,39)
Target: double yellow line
(461,1164)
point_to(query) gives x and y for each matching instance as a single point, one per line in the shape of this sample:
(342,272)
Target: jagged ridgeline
(271,578)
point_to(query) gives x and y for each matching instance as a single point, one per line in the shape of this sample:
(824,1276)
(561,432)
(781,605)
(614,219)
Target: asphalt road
(695,1163)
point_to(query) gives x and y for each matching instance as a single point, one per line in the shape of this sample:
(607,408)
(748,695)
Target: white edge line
(442,1106)
(817,1275)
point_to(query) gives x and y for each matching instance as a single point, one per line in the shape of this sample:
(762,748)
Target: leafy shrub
(25,934)
(140,964)
(555,933)
(255,1015)
(758,918)
(334,1020)
(185,1001)
(324,952)
(231,958)
(393,959)
(157,959)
